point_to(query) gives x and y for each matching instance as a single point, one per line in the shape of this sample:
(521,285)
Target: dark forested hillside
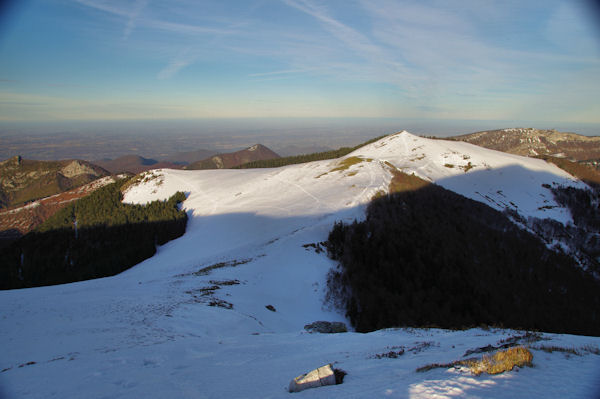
(96,236)
(431,257)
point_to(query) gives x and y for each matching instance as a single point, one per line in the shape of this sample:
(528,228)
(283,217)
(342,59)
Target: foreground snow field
(192,321)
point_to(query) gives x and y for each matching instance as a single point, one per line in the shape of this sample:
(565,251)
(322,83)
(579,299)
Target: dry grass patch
(569,351)
(404,182)
(581,171)
(501,361)
(467,167)
(346,163)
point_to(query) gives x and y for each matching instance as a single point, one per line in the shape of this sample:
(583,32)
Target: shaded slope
(97,236)
(432,257)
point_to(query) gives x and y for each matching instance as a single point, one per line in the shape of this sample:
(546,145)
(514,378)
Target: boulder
(326,327)
(317,378)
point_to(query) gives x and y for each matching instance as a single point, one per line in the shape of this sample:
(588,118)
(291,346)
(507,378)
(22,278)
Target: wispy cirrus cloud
(134,18)
(285,72)
(141,14)
(180,61)
(346,34)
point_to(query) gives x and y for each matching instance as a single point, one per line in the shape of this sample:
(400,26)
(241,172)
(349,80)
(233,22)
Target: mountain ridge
(538,142)
(256,152)
(24,180)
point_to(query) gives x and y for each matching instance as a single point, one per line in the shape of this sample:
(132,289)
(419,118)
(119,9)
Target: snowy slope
(151,332)
(495,178)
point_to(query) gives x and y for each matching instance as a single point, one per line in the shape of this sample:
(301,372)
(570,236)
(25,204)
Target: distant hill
(257,152)
(538,142)
(188,157)
(134,164)
(23,180)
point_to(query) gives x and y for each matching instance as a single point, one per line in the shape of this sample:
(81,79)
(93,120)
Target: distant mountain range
(257,152)
(538,142)
(199,159)
(24,181)
(31,191)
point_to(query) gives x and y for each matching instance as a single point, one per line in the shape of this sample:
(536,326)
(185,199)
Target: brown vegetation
(500,362)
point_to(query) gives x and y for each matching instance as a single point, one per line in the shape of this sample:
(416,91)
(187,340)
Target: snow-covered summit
(495,178)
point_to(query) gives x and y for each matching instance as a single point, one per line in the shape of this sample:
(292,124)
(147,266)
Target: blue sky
(145,59)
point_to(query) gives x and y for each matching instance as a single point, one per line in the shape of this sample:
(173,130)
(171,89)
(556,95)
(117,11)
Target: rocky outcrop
(77,168)
(536,142)
(326,327)
(23,180)
(322,376)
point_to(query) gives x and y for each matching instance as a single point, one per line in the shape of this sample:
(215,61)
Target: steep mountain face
(257,152)
(134,164)
(534,142)
(23,180)
(195,317)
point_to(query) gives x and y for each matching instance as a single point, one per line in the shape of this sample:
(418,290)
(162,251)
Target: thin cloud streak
(181,61)
(286,72)
(155,23)
(352,38)
(133,17)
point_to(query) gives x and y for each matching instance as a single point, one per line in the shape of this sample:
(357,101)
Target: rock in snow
(322,376)
(326,327)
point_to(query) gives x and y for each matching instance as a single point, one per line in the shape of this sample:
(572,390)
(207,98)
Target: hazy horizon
(94,140)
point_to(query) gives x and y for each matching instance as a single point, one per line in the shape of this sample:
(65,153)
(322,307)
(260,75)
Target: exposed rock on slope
(257,152)
(23,180)
(534,142)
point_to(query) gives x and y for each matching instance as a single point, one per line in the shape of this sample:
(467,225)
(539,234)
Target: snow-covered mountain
(193,321)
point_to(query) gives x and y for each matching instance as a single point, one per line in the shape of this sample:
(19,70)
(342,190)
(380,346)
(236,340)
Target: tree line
(96,236)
